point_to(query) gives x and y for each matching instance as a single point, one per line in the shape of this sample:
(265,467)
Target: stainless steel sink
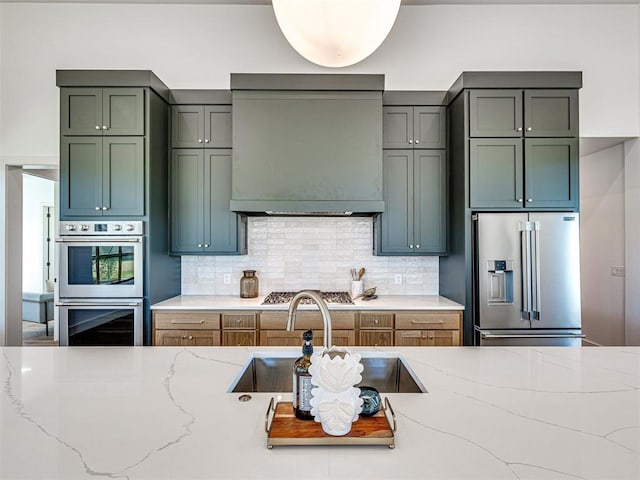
(271,372)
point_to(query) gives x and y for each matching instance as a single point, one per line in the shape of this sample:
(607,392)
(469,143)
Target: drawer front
(375,338)
(428,321)
(275,338)
(306,320)
(239,338)
(239,320)
(427,338)
(375,320)
(186,320)
(187,338)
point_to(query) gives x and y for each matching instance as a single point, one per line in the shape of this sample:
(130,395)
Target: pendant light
(335,33)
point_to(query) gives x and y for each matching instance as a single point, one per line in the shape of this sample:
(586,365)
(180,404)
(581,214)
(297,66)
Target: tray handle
(387,406)
(268,416)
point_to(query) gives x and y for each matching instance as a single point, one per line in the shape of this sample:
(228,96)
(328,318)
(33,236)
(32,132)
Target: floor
(33,334)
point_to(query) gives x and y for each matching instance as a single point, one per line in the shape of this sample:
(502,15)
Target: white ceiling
(404,2)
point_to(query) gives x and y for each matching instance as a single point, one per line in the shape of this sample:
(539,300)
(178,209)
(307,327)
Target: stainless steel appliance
(527,279)
(100,279)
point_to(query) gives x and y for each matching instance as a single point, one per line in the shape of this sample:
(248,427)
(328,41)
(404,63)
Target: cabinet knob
(519,200)
(97,127)
(184,337)
(199,245)
(206,140)
(417,246)
(529,199)
(104,127)
(410,141)
(190,337)
(423,337)
(417,142)
(206,245)
(105,208)
(519,129)
(199,140)
(529,129)
(98,208)
(411,246)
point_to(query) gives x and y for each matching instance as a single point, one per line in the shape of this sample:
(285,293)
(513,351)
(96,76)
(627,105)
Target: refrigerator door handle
(535,277)
(525,244)
(533,335)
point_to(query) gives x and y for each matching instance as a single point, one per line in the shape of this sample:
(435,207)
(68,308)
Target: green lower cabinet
(101,176)
(529,173)
(201,221)
(415,195)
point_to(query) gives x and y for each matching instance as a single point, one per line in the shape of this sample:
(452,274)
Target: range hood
(307,144)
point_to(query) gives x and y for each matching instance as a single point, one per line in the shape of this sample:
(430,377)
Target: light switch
(226,278)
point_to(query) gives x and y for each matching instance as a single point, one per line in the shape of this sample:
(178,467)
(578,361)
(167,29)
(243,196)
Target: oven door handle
(98,304)
(99,239)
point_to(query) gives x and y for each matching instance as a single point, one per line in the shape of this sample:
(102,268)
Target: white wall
(37,192)
(602,245)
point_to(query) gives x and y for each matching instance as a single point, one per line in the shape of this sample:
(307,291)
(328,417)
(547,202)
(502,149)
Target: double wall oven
(100,279)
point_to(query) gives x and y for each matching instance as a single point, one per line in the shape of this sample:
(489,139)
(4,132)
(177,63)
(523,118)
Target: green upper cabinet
(102,111)
(414,127)
(201,126)
(201,221)
(528,113)
(415,194)
(101,176)
(545,175)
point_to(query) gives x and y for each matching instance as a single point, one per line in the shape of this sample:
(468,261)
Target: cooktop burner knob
(129,227)
(117,227)
(70,228)
(84,228)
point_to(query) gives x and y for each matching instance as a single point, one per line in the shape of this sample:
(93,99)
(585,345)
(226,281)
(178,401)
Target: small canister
(249,284)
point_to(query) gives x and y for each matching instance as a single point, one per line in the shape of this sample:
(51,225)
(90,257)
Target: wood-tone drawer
(187,338)
(376,338)
(428,321)
(306,320)
(276,338)
(200,320)
(375,320)
(239,338)
(427,338)
(239,320)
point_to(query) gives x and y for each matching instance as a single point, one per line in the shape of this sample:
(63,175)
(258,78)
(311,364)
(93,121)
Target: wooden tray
(283,428)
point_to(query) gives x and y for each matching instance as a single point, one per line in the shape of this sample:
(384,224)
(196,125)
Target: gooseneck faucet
(324,311)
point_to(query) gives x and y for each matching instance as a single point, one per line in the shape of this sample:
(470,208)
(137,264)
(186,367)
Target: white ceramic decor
(335,402)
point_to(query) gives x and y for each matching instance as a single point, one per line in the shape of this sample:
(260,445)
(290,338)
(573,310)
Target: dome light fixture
(335,33)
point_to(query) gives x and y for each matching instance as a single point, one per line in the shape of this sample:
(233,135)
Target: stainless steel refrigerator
(527,279)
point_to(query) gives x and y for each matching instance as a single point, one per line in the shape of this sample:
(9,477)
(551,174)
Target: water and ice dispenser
(500,284)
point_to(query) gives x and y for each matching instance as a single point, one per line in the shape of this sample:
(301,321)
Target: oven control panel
(83,227)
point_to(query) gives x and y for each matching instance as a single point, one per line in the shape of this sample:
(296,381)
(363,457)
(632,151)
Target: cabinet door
(495,113)
(81,111)
(169,338)
(397,127)
(341,338)
(396,223)
(551,113)
(238,338)
(551,172)
(429,127)
(123,111)
(221,224)
(217,126)
(430,201)
(187,199)
(123,176)
(80,176)
(187,126)
(496,173)
(376,338)
(201,338)
(276,338)
(411,338)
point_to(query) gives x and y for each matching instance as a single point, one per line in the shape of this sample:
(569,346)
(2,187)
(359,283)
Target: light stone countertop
(163,413)
(383,302)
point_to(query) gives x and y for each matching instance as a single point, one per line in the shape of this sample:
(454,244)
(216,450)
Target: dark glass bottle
(302,380)
(249,284)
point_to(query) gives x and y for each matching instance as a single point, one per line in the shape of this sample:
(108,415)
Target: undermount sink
(272,372)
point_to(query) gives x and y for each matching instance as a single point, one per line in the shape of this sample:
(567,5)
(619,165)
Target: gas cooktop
(329,297)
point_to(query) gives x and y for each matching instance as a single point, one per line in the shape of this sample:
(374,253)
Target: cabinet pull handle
(199,140)
(529,199)
(376,321)
(199,245)
(97,127)
(184,337)
(427,322)
(105,208)
(206,140)
(410,141)
(519,129)
(519,200)
(529,129)
(104,127)
(97,208)
(417,142)
(411,246)
(190,337)
(187,322)
(206,245)
(417,246)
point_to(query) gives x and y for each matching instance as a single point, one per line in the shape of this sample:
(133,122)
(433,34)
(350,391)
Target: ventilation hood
(307,144)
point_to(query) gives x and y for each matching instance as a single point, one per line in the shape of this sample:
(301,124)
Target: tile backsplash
(292,253)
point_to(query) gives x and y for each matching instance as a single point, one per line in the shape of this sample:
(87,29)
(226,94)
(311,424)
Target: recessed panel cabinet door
(221,233)
(123,111)
(496,173)
(80,176)
(551,172)
(217,126)
(430,206)
(396,223)
(187,199)
(551,113)
(495,113)
(187,126)
(81,111)
(429,127)
(123,176)
(397,127)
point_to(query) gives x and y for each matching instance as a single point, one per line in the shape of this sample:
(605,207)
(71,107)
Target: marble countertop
(383,302)
(163,413)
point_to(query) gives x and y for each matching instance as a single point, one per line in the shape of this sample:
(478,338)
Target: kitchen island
(151,413)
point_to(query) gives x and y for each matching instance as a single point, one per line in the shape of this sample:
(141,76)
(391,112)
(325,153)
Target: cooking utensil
(361,273)
(353,274)
(371,297)
(368,294)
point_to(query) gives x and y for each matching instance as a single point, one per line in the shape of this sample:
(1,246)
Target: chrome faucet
(324,311)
